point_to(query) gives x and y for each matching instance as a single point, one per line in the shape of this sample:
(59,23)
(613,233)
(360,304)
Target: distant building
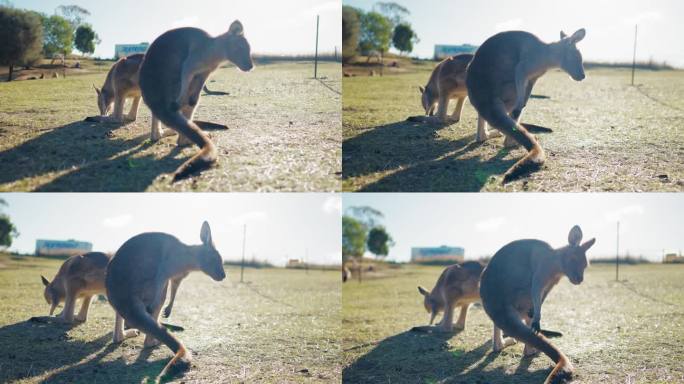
(121,50)
(443,51)
(673,258)
(294,263)
(437,254)
(62,247)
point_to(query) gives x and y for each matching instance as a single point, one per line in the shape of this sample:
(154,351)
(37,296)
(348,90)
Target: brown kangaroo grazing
(137,280)
(81,276)
(515,284)
(447,81)
(500,80)
(121,83)
(457,286)
(172,75)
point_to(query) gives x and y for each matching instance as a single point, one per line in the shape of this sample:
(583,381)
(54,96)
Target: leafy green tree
(351,29)
(376,33)
(404,37)
(379,241)
(354,235)
(85,39)
(7,230)
(394,12)
(74,14)
(21,34)
(58,35)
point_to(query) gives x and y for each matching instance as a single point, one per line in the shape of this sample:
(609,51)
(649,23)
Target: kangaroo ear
(236,28)
(422,90)
(423,291)
(45,281)
(575,235)
(96,89)
(588,244)
(205,234)
(563,35)
(578,36)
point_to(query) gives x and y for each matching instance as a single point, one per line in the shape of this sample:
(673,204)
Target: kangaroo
(175,283)
(81,277)
(516,282)
(172,75)
(138,276)
(500,79)
(121,83)
(457,286)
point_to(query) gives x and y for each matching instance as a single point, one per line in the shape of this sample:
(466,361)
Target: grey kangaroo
(500,80)
(515,284)
(172,75)
(137,280)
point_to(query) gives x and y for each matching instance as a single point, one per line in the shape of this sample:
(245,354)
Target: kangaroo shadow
(418,357)
(424,163)
(92,159)
(32,348)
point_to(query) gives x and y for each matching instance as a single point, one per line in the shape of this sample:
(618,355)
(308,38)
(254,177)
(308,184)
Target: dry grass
(280,326)
(608,136)
(284,135)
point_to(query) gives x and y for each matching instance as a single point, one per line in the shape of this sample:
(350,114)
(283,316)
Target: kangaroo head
(105,99)
(574,257)
(430,306)
(210,261)
(50,294)
(571,58)
(237,48)
(429,101)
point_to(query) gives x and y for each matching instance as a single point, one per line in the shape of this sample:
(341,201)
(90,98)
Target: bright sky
(270,26)
(279,226)
(483,223)
(609,24)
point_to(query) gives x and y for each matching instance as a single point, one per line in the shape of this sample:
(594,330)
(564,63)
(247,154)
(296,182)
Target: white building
(442,253)
(62,247)
(443,51)
(122,50)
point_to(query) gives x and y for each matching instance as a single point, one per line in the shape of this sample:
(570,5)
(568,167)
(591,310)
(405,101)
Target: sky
(483,223)
(279,226)
(274,27)
(609,24)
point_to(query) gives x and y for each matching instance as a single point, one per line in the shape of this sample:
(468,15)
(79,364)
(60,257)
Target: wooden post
(316,54)
(242,265)
(634,54)
(617,253)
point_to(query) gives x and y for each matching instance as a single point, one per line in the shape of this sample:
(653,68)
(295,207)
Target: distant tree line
(362,231)
(27,36)
(376,31)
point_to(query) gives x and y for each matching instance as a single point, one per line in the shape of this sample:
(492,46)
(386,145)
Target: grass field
(284,135)
(614,332)
(608,135)
(280,326)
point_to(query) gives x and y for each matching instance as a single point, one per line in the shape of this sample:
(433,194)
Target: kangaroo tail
(207,155)
(499,119)
(536,128)
(509,322)
(139,318)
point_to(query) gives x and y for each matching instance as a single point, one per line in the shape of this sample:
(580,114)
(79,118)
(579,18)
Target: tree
(379,241)
(7,230)
(351,29)
(74,14)
(354,234)
(393,11)
(59,36)
(85,39)
(21,34)
(376,33)
(404,37)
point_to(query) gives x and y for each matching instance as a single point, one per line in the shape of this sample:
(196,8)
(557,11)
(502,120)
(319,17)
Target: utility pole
(617,253)
(316,54)
(306,260)
(242,266)
(634,54)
